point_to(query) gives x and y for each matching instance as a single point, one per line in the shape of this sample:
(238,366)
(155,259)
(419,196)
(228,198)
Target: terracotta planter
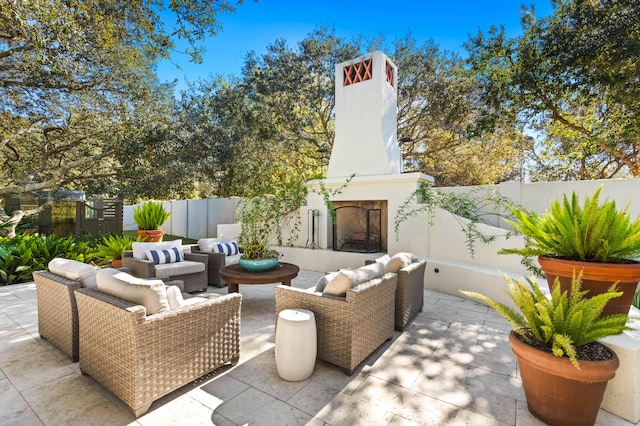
(151,235)
(558,393)
(116,263)
(597,278)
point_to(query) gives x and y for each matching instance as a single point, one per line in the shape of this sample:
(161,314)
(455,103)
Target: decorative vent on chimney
(389,73)
(358,72)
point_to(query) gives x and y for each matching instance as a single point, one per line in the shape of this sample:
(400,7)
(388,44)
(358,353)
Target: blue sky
(256,25)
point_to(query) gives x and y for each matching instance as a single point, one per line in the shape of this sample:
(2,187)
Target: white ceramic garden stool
(296,344)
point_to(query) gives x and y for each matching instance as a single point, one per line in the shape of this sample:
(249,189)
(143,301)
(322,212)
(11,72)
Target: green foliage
(22,255)
(150,215)
(572,76)
(82,105)
(476,206)
(112,247)
(562,322)
(263,218)
(593,232)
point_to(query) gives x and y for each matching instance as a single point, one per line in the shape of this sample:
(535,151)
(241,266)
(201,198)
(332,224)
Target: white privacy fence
(192,218)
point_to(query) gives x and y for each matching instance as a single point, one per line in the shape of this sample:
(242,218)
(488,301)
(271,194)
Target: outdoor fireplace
(360,226)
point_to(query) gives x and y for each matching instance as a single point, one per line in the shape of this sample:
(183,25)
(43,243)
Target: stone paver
(451,366)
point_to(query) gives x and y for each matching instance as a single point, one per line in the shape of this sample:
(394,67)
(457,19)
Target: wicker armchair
(57,311)
(409,292)
(146,269)
(142,358)
(216,261)
(350,328)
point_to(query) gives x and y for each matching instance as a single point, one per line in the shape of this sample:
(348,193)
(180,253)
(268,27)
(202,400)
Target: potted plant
(260,225)
(564,369)
(111,248)
(596,239)
(149,217)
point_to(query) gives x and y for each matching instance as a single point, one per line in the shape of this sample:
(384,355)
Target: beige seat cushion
(149,293)
(74,270)
(178,268)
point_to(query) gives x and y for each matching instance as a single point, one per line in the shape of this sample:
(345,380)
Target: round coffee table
(282,273)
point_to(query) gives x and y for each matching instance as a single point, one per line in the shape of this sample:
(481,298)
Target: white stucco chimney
(366,141)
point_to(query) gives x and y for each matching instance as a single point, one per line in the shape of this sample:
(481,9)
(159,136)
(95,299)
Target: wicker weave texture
(349,329)
(140,358)
(57,311)
(216,261)
(409,293)
(146,269)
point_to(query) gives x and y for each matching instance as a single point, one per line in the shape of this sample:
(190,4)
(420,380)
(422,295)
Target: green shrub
(112,247)
(22,255)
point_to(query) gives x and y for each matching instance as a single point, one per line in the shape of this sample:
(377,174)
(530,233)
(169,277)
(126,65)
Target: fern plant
(150,215)
(562,322)
(592,232)
(112,247)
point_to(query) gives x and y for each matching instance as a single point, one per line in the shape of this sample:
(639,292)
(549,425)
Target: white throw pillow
(228,249)
(74,270)
(348,278)
(170,255)
(140,249)
(324,280)
(174,296)
(149,293)
(398,261)
(383,259)
(339,285)
(207,244)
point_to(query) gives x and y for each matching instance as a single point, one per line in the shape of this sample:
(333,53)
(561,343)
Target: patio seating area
(452,365)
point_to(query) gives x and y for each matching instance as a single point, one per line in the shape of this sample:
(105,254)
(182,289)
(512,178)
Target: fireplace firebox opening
(360,226)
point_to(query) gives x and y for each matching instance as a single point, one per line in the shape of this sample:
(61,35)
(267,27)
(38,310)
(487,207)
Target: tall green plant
(591,232)
(562,322)
(150,215)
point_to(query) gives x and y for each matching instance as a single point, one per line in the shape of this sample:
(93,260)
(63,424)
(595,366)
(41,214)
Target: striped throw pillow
(228,249)
(168,255)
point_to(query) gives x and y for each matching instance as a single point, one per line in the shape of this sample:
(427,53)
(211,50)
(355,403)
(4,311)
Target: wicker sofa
(141,358)
(409,292)
(144,268)
(349,328)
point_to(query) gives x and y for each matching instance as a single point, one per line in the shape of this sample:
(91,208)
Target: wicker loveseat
(349,328)
(409,292)
(192,271)
(140,357)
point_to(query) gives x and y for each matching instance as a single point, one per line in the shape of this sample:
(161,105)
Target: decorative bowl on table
(258,264)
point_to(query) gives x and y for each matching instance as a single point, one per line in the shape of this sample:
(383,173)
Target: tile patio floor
(452,366)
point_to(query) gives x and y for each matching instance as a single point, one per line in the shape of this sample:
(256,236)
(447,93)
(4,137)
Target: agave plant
(150,215)
(560,323)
